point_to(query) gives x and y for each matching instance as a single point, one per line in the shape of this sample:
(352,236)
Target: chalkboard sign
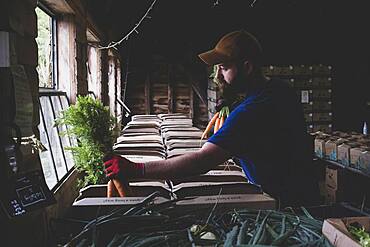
(26,193)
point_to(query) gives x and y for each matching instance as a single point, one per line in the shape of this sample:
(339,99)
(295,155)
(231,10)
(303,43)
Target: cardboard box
(341,134)
(321,69)
(214,176)
(227,202)
(321,106)
(224,202)
(343,155)
(214,188)
(308,117)
(322,82)
(334,196)
(335,230)
(322,116)
(331,148)
(319,146)
(322,127)
(321,94)
(335,178)
(355,154)
(302,70)
(364,161)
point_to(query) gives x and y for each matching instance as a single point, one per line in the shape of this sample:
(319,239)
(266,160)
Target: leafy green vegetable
(92,124)
(360,233)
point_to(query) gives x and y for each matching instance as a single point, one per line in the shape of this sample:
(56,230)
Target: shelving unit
(354,170)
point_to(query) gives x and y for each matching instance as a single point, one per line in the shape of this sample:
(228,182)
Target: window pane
(65,105)
(112,86)
(93,75)
(45,156)
(45,47)
(119,90)
(54,137)
(65,139)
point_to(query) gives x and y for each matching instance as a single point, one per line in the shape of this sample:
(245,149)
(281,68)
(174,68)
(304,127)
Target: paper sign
(305,96)
(23,100)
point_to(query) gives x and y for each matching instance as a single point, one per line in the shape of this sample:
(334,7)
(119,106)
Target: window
(46,30)
(93,71)
(112,85)
(57,160)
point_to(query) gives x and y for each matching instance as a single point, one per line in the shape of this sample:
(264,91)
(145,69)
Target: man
(266,131)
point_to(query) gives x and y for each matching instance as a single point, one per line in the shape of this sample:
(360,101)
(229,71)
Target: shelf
(344,167)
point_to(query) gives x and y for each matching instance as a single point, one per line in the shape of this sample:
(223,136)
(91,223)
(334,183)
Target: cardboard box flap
(214,188)
(115,201)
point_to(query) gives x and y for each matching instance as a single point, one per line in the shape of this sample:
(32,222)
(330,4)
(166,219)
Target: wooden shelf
(344,167)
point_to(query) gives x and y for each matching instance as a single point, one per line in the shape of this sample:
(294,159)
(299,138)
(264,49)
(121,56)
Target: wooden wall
(164,88)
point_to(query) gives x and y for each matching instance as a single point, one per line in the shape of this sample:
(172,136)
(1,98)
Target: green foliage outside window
(44,43)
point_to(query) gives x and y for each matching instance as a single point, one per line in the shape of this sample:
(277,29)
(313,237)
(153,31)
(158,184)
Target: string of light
(113,44)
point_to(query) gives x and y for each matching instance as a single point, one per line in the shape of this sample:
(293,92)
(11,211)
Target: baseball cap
(233,46)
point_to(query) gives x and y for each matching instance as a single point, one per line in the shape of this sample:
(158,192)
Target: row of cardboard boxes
(226,185)
(349,149)
(298,70)
(306,96)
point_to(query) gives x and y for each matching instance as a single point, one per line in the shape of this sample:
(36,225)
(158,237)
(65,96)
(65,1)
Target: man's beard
(237,86)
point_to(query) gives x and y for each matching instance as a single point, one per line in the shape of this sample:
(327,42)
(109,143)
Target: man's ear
(248,67)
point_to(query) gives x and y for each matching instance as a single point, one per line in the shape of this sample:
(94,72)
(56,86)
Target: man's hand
(117,166)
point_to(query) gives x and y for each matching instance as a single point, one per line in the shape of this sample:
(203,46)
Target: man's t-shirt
(267,133)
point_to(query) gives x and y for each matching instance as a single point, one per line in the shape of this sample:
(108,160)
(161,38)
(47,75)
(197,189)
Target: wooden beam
(170,92)
(147,95)
(191,108)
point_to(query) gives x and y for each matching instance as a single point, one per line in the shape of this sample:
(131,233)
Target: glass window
(57,160)
(93,70)
(46,48)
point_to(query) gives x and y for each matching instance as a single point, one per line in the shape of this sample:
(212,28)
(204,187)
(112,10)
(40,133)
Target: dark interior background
(290,31)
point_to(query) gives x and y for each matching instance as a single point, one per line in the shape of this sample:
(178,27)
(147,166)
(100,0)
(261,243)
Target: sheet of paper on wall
(23,100)
(305,96)
(4,50)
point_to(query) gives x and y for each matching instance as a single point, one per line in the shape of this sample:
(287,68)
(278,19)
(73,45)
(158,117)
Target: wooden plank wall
(167,88)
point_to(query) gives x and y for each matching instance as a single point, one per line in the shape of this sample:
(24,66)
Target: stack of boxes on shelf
(349,149)
(155,137)
(313,84)
(346,150)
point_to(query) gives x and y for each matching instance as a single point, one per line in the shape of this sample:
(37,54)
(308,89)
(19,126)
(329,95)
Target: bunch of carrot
(217,121)
(118,188)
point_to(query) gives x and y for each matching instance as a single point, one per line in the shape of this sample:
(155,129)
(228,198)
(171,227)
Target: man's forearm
(198,162)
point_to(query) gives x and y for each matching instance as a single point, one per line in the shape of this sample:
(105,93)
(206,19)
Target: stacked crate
(313,84)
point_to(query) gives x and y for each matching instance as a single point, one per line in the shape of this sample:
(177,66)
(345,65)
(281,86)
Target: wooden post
(191,107)
(147,95)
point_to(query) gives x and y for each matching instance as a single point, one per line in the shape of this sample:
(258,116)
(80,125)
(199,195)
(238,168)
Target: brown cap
(233,46)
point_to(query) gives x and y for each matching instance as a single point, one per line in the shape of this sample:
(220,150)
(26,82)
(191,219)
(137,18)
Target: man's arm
(199,162)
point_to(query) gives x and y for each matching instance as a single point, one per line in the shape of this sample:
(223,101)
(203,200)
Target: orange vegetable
(222,120)
(122,187)
(111,189)
(209,125)
(217,125)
